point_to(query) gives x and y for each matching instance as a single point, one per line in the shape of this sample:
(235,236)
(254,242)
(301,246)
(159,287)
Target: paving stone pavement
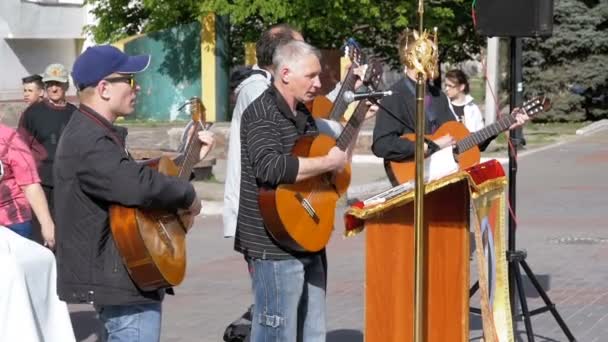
(561,215)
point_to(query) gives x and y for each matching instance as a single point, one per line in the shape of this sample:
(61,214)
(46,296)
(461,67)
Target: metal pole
(515,101)
(419,212)
(419,200)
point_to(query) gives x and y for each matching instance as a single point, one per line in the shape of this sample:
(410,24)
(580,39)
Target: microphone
(349,96)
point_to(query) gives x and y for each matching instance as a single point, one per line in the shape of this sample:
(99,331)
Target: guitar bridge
(307,207)
(164,236)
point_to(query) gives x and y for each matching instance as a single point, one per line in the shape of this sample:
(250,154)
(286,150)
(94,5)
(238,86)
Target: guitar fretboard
(191,154)
(485,133)
(352,127)
(339,107)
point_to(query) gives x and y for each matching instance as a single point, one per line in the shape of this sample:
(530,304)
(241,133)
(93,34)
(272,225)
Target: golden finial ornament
(422,53)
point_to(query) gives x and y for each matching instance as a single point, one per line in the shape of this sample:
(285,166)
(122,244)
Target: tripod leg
(524,303)
(547,301)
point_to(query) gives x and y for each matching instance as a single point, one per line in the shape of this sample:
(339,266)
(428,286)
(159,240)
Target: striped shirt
(269,131)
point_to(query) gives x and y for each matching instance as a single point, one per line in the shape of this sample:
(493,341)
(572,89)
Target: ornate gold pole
(419,239)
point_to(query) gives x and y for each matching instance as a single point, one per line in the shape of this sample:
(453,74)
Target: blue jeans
(24,229)
(289,300)
(131,323)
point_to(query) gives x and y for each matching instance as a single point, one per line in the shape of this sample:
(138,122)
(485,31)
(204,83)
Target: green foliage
(325,23)
(575,55)
(123,18)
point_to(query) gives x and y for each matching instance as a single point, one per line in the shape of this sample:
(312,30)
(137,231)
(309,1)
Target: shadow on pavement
(345,335)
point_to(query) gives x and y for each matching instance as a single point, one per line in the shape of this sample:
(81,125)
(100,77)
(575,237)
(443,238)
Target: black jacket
(40,126)
(388,130)
(92,170)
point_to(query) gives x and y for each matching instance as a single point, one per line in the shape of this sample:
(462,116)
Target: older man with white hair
(289,287)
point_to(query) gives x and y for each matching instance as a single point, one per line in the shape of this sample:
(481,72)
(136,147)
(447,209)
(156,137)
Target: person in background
(20,190)
(457,89)
(41,125)
(33,89)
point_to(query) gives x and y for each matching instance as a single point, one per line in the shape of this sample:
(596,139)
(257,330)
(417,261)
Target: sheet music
(439,165)
(436,166)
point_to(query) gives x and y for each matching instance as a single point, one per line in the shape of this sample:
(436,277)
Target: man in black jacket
(92,171)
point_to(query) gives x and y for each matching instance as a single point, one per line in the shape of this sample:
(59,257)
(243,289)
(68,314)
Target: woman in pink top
(20,190)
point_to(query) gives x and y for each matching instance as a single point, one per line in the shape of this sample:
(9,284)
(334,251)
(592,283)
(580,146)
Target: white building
(35,33)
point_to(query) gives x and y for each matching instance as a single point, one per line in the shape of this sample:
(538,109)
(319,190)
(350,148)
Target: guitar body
(301,216)
(321,107)
(152,242)
(405,171)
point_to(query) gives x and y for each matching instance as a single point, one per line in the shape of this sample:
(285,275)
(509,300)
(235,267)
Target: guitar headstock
(352,50)
(373,74)
(198,112)
(536,105)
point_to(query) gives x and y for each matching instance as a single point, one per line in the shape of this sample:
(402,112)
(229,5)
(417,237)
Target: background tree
(571,65)
(325,23)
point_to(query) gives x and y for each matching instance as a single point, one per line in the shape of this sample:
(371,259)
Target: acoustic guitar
(466,152)
(300,216)
(152,243)
(322,107)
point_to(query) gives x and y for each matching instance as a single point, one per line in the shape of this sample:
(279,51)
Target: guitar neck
(485,133)
(339,107)
(352,126)
(191,155)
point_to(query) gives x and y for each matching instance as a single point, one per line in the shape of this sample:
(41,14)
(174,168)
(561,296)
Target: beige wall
(35,33)
(22,57)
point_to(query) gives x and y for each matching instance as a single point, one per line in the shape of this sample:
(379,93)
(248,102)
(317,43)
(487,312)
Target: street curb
(592,128)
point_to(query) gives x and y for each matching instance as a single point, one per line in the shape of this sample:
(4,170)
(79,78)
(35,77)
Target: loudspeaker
(514,18)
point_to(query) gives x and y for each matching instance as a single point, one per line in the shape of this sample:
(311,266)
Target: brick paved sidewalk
(562,211)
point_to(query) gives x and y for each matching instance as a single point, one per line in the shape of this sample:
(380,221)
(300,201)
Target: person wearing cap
(33,89)
(41,125)
(93,170)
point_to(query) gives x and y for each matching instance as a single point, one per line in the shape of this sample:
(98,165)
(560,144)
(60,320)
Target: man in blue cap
(92,171)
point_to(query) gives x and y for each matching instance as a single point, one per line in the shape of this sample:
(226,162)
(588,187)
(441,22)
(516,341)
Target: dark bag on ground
(238,331)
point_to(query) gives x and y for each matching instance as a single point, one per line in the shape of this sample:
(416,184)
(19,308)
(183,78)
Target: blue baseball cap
(99,61)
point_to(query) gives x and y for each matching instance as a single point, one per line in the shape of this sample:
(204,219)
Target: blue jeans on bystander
(289,299)
(24,229)
(131,323)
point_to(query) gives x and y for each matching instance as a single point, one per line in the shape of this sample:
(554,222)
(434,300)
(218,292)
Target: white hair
(291,53)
